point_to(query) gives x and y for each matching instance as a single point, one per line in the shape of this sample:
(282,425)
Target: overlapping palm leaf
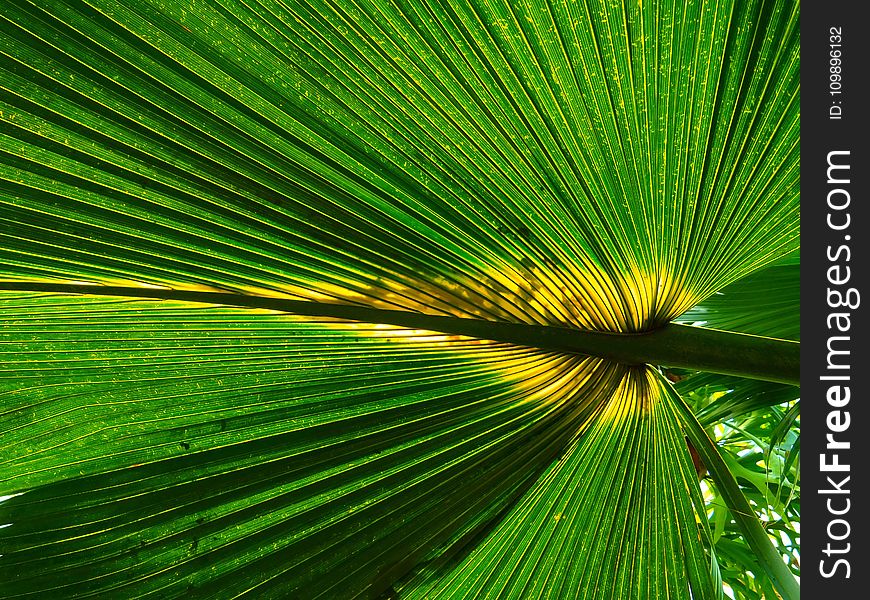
(586,164)
(758,434)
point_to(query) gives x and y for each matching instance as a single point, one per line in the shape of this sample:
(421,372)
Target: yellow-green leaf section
(613,518)
(594,164)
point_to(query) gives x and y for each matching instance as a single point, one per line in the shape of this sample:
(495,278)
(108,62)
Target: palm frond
(593,165)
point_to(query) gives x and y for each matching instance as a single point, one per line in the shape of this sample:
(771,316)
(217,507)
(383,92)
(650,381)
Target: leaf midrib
(672,345)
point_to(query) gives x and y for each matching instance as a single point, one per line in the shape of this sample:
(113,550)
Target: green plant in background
(381,298)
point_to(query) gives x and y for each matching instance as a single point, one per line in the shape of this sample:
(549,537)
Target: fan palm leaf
(213,212)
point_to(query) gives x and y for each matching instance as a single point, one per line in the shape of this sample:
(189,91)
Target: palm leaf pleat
(585,164)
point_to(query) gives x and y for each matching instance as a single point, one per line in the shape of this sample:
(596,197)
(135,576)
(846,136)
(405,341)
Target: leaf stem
(673,345)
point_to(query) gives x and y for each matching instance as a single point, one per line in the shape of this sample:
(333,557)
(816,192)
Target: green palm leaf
(766,303)
(315,441)
(593,527)
(592,166)
(759,440)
